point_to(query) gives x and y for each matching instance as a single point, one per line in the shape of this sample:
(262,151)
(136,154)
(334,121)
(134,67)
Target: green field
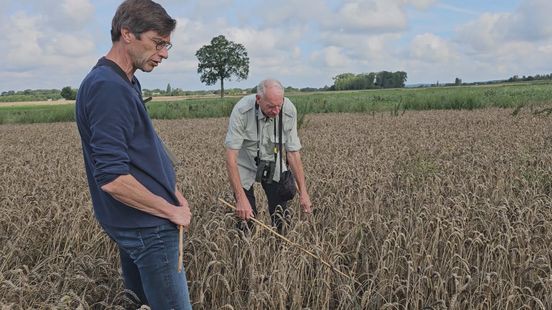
(393,100)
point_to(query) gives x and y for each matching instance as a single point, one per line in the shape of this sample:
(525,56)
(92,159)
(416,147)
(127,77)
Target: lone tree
(221,60)
(68,93)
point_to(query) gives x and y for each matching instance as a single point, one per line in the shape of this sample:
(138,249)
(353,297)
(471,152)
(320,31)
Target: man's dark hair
(140,16)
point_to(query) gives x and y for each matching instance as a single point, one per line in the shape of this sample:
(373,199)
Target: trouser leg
(151,254)
(131,276)
(277,207)
(165,287)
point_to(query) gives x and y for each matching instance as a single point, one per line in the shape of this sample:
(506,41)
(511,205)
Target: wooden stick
(290,242)
(180,247)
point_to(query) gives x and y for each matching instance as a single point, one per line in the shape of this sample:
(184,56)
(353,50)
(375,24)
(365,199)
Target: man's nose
(164,53)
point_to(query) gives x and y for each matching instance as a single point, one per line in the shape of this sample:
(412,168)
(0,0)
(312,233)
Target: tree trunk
(221,88)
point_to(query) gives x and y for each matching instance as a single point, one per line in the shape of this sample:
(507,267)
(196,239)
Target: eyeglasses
(272,106)
(159,45)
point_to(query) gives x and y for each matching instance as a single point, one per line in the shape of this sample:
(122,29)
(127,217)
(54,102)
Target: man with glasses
(257,124)
(130,175)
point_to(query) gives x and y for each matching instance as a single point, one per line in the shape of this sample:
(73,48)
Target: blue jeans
(149,259)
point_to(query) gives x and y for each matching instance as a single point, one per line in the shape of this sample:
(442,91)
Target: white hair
(266,84)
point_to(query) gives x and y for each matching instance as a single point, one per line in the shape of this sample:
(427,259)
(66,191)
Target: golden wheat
(434,210)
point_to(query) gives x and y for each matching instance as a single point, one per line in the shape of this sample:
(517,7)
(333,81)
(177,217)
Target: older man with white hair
(261,129)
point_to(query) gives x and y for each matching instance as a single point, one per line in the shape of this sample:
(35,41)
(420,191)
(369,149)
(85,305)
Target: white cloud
(4,5)
(334,56)
(421,4)
(296,52)
(291,12)
(370,50)
(485,33)
(457,9)
(501,44)
(530,22)
(30,44)
(368,16)
(430,48)
(70,45)
(303,43)
(80,12)
(22,41)
(189,36)
(546,49)
(272,51)
(259,43)
(206,8)
(267,41)
(61,15)
(367,32)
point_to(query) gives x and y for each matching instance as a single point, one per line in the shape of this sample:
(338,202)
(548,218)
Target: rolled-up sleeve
(111,127)
(236,131)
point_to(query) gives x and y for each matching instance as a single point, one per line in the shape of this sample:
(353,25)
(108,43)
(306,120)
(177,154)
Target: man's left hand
(304,200)
(181,200)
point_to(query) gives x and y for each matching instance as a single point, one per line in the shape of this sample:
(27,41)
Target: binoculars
(265,170)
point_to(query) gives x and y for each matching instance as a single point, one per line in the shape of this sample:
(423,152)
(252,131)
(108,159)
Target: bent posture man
(253,153)
(131,178)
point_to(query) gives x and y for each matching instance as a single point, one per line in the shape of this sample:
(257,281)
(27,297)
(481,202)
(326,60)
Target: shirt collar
(110,63)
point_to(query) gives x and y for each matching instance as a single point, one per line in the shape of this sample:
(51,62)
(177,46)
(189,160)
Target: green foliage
(30,95)
(394,101)
(395,109)
(538,77)
(170,91)
(68,93)
(300,120)
(344,81)
(191,108)
(383,79)
(37,114)
(221,60)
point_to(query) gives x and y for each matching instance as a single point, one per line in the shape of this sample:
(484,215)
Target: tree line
(372,80)
(30,95)
(513,79)
(538,77)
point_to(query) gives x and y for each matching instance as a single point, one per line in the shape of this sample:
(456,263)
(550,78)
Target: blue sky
(54,43)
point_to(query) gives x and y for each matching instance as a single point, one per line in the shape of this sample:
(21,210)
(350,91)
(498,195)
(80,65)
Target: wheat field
(424,210)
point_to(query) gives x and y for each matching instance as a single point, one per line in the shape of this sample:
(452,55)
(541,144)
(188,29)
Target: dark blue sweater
(118,138)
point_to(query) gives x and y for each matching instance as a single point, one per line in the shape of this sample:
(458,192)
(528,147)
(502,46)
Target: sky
(304,43)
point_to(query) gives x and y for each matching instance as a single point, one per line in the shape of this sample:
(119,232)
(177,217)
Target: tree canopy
(69,93)
(383,79)
(221,60)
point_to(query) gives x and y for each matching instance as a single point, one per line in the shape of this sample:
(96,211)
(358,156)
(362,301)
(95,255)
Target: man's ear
(127,35)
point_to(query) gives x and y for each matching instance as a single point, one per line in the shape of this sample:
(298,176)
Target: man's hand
(181,200)
(183,215)
(127,189)
(304,200)
(243,209)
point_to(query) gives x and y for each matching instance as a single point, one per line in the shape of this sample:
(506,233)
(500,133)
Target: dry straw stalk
(266,227)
